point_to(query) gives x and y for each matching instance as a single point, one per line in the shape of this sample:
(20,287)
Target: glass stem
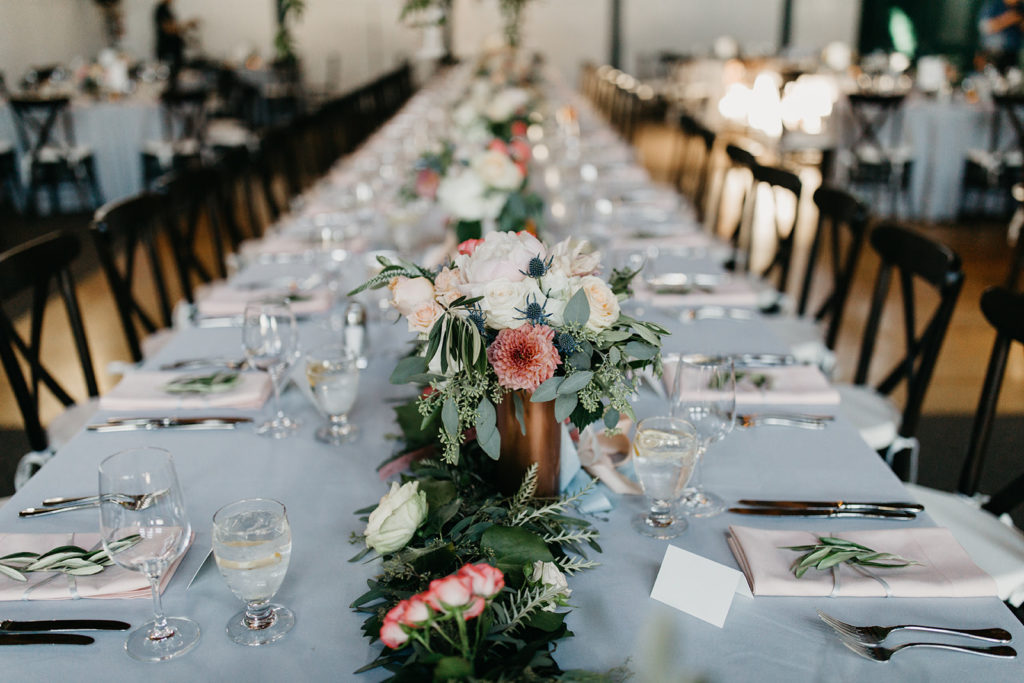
(275,384)
(259,615)
(696,480)
(161,630)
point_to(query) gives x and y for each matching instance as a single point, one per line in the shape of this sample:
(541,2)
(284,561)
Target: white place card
(698,586)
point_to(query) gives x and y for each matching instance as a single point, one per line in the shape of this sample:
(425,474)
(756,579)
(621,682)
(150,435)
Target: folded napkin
(601,455)
(946,570)
(224,299)
(684,238)
(113,582)
(145,390)
(736,292)
(787,385)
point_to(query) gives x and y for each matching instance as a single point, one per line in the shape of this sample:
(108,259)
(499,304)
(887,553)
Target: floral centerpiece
(510,322)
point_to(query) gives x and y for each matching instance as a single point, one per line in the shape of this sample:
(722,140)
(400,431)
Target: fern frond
(578,536)
(524,602)
(526,490)
(526,514)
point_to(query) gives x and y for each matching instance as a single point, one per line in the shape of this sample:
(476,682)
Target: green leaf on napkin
(831,551)
(213,383)
(67,559)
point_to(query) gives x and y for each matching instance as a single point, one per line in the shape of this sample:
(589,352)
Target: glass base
(184,636)
(278,428)
(700,503)
(282,622)
(337,434)
(643,524)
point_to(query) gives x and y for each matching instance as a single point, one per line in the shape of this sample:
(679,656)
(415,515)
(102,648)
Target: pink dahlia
(524,357)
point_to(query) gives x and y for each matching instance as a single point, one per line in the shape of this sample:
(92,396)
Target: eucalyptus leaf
(577,311)
(564,405)
(547,390)
(575,383)
(517,403)
(487,434)
(611,418)
(640,350)
(408,367)
(450,416)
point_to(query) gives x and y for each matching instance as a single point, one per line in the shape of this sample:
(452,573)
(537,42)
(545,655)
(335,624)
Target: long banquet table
(615,621)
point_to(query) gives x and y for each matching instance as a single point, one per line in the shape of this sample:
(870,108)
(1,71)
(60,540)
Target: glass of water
(252,544)
(666,452)
(333,374)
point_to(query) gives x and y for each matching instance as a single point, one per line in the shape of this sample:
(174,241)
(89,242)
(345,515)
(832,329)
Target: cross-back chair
(877,162)
(910,258)
(39,267)
(784,232)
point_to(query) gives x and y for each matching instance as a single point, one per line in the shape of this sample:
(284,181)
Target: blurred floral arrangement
(511,319)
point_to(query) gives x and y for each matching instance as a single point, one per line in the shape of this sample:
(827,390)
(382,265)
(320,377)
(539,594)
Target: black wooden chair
(912,258)
(784,231)
(995,546)
(35,268)
(46,135)
(874,162)
(842,223)
(184,129)
(129,233)
(740,163)
(693,165)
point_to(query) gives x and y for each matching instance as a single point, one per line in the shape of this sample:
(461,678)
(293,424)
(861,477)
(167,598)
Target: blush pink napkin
(114,582)
(685,238)
(946,571)
(790,385)
(226,300)
(739,293)
(145,391)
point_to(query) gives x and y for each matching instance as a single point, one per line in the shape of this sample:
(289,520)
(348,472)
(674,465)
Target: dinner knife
(835,504)
(177,421)
(824,512)
(169,423)
(8,625)
(45,639)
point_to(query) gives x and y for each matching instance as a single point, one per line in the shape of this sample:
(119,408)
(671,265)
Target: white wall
(38,32)
(816,23)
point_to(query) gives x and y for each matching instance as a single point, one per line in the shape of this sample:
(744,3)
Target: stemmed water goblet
(270,340)
(333,374)
(704,394)
(163,531)
(665,450)
(252,545)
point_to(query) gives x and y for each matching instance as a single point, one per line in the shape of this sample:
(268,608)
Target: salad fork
(883,654)
(874,635)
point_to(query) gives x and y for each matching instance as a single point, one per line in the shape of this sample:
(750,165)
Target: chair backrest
(913,257)
(32,267)
(1004,310)
(40,122)
(1012,105)
(844,219)
(184,113)
(739,159)
(784,235)
(126,233)
(871,113)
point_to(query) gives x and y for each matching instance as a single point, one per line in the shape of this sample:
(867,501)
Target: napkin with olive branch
(169,391)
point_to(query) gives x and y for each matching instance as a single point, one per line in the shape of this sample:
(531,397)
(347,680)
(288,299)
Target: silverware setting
(45,639)
(744,360)
(134,502)
(8,625)
(716,313)
(784,420)
(130,424)
(883,654)
(834,505)
(832,513)
(874,635)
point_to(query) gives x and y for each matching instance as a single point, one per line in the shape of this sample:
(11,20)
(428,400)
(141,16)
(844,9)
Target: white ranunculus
(550,576)
(497,170)
(396,518)
(502,298)
(506,103)
(501,256)
(466,197)
(604,306)
(576,257)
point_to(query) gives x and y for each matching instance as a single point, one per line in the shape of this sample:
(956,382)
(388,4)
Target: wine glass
(705,395)
(333,374)
(252,544)
(666,452)
(140,495)
(270,340)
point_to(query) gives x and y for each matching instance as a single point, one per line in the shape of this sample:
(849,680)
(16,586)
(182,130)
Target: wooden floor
(954,389)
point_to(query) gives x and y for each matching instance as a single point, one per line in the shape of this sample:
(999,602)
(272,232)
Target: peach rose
(408,293)
(604,306)
(423,316)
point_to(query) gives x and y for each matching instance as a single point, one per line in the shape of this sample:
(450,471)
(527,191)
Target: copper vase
(541,444)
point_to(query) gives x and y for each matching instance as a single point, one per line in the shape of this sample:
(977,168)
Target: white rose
(576,257)
(501,256)
(423,316)
(497,170)
(502,298)
(462,195)
(604,306)
(408,293)
(506,103)
(396,518)
(550,576)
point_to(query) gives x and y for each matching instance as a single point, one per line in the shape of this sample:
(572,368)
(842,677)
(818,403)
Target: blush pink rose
(452,593)
(501,256)
(393,635)
(427,182)
(485,580)
(417,612)
(408,293)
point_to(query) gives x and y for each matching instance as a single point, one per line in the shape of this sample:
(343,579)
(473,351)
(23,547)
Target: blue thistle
(535,313)
(476,316)
(538,268)
(566,343)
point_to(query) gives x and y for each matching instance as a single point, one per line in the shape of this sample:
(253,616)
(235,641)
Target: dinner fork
(874,635)
(133,502)
(883,654)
